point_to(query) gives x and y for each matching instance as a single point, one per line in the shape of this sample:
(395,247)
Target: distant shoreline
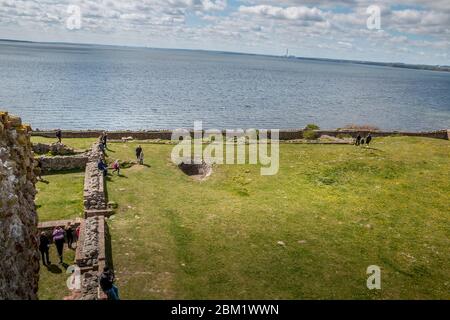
(443,68)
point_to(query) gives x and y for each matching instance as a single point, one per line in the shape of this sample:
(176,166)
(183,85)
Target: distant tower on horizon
(287,53)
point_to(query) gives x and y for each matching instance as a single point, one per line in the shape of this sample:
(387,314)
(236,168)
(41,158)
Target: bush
(312,126)
(310,135)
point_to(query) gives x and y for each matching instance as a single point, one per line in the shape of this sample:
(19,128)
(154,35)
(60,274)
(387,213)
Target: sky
(409,31)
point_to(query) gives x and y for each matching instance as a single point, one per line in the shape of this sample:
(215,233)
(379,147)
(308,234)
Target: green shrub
(310,135)
(312,126)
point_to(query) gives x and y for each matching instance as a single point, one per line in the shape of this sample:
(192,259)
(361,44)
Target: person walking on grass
(358,139)
(107,284)
(69,235)
(138,152)
(44,247)
(116,167)
(59,135)
(368,139)
(58,239)
(104,139)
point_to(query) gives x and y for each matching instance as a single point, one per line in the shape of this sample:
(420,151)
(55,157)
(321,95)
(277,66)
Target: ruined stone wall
(291,134)
(19,258)
(60,163)
(442,134)
(90,255)
(94,182)
(56,148)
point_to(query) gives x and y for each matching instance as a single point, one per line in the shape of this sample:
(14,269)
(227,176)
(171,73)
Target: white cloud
(307,27)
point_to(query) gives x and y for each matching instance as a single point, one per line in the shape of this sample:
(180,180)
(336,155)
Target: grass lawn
(310,232)
(52,279)
(60,196)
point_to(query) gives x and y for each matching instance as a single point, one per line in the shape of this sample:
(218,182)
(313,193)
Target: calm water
(87,87)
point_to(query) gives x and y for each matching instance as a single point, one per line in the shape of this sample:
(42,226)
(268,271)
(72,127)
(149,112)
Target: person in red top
(77,232)
(116,167)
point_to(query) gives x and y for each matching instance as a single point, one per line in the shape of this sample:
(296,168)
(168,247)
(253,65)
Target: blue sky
(411,31)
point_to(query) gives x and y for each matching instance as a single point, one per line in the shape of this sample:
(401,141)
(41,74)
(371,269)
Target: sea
(76,86)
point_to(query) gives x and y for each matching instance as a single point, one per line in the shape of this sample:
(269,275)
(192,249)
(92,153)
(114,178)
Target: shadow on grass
(53,173)
(108,248)
(53,268)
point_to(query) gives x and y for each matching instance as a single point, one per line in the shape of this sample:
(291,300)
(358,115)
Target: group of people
(59,236)
(103,140)
(360,141)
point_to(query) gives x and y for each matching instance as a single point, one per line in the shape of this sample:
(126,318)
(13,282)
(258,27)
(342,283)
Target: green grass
(78,144)
(60,196)
(52,280)
(337,208)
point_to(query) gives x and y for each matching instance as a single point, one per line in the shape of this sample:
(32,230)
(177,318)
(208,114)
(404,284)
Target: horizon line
(387,63)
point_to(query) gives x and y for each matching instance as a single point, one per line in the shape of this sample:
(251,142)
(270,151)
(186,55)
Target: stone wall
(441,134)
(57,149)
(19,258)
(60,163)
(292,134)
(90,255)
(94,183)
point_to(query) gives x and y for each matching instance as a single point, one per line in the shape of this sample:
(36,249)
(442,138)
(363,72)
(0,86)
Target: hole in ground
(196,171)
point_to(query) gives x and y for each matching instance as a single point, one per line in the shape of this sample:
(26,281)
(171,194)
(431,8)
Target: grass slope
(337,210)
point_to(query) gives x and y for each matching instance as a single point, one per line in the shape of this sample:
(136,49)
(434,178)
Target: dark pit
(196,171)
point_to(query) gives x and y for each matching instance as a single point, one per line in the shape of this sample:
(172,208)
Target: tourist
(116,167)
(44,247)
(59,135)
(138,152)
(101,146)
(104,139)
(102,166)
(107,284)
(141,158)
(77,232)
(368,139)
(58,239)
(358,139)
(69,235)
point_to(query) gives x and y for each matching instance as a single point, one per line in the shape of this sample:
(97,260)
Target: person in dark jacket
(59,135)
(105,139)
(102,167)
(107,284)
(368,139)
(138,153)
(358,139)
(44,247)
(69,235)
